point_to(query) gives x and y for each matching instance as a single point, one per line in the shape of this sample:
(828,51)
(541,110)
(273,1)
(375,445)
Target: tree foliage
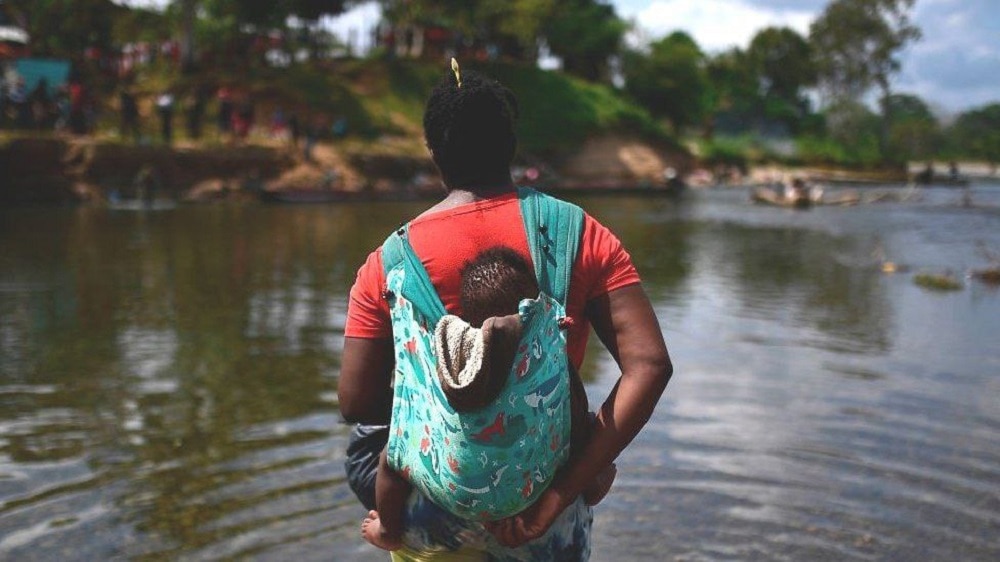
(857,130)
(976,133)
(224,24)
(585,34)
(856,43)
(733,93)
(66,28)
(671,80)
(913,131)
(268,14)
(783,61)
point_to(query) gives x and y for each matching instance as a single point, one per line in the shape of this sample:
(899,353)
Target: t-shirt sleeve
(608,265)
(367,310)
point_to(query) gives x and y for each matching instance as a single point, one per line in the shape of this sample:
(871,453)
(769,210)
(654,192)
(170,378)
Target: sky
(954,67)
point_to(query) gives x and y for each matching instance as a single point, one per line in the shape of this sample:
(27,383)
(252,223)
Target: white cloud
(715,24)
(155,4)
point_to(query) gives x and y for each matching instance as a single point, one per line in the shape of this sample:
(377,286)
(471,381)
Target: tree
(976,133)
(310,12)
(856,130)
(670,80)
(188,9)
(783,60)
(856,43)
(313,10)
(67,28)
(585,34)
(223,23)
(512,27)
(914,132)
(733,92)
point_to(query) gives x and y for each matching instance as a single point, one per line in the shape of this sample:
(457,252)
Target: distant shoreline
(57,169)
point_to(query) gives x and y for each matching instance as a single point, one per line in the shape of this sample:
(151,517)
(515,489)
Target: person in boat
(481,351)
(926,175)
(469,130)
(796,190)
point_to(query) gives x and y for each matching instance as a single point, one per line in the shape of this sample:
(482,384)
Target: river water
(168,382)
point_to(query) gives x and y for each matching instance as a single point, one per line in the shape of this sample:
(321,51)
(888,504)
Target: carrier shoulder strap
(554,228)
(417,284)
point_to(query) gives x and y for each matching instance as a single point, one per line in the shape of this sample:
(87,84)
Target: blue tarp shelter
(54,71)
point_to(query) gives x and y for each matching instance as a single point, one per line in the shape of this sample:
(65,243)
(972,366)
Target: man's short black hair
(494,283)
(470,130)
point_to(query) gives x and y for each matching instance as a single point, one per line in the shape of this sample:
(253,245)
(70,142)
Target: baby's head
(494,283)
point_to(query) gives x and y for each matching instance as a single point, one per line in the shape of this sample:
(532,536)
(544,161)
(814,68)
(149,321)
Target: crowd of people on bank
(147,118)
(69,107)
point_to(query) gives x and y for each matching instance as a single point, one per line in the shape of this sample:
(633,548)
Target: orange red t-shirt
(445,240)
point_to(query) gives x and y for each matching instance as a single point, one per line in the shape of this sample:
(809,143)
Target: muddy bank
(63,170)
(57,170)
(617,160)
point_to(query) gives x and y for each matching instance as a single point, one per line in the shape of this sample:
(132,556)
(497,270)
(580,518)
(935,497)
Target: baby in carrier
(475,356)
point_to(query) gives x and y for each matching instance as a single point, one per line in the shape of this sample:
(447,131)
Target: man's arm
(363,389)
(625,322)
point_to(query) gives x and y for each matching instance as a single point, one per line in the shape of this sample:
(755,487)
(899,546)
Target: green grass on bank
(558,111)
(745,150)
(386,97)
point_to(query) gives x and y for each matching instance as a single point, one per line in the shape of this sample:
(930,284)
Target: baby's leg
(384,528)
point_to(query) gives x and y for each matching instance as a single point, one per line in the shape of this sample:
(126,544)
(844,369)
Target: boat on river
(804,199)
(770,196)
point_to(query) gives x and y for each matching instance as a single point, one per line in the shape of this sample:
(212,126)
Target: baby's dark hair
(470,130)
(494,283)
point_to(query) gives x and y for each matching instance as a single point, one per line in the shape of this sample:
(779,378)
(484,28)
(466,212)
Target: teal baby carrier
(493,462)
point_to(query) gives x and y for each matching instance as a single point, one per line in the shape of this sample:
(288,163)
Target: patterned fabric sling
(490,463)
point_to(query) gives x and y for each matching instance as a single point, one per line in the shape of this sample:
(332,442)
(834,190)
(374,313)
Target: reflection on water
(168,383)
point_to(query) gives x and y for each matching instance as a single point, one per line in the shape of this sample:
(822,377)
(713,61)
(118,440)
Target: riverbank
(61,169)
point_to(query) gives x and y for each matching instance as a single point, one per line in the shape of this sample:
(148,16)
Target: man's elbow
(661,369)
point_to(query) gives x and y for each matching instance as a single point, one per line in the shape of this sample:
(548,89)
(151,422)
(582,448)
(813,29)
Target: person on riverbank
(477,355)
(18,98)
(195,112)
(129,115)
(224,117)
(40,102)
(243,120)
(469,129)
(165,109)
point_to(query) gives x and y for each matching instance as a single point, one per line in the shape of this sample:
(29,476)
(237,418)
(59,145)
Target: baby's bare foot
(373,532)
(594,493)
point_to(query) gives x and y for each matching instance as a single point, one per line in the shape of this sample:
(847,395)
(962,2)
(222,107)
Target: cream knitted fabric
(461,351)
